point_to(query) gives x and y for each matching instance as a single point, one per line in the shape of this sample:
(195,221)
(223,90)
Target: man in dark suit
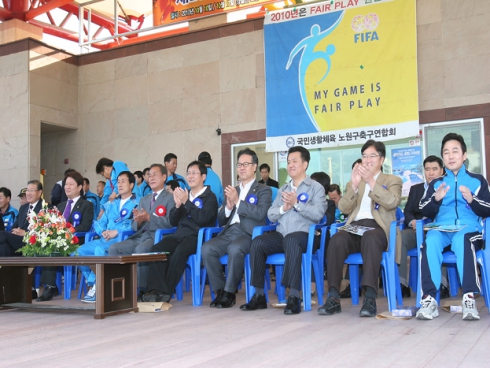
(193,210)
(433,168)
(152,214)
(77,211)
(265,170)
(244,208)
(371,200)
(11,242)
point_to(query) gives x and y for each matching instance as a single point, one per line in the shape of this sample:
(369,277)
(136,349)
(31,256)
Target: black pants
(371,246)
(164,276)
(9,244)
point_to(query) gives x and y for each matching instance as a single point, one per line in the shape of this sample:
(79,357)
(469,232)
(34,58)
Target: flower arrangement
(49,233)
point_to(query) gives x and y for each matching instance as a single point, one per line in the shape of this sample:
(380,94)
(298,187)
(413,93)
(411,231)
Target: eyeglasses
(245,164)
(364,157)
(189,173)
(32,190)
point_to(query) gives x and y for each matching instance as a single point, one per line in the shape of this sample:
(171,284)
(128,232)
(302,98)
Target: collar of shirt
(158,193)
(75,200)
(123,202)
(375,178)
(33,204)
(191,197)
(245,188)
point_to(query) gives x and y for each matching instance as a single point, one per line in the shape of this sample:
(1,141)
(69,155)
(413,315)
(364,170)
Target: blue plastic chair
(391,279)
(483,259)
(309,260)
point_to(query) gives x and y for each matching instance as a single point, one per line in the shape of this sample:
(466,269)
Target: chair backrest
(400,216)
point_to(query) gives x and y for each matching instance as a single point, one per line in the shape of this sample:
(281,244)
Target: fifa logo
(364,26)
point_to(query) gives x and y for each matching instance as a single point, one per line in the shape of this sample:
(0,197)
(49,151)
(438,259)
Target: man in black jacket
(11,242)
(193,209)
(433,168)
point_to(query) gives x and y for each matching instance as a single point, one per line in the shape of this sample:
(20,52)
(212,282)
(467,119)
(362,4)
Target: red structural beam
(5,14)
(53,4)
(146,38)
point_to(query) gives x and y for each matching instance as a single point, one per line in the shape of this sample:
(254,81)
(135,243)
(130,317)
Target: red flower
(32,239)
(68,225)
(74,240)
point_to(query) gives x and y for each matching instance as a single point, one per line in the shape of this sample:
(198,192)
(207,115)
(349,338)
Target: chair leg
(179,289)
(82,287)
(354,283)
(281,291)
(318,273)
(413,273)
(453,280)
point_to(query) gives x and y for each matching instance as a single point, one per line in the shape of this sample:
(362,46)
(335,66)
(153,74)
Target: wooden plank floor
(187,336)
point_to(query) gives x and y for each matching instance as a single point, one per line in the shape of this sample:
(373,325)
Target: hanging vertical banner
(340,73)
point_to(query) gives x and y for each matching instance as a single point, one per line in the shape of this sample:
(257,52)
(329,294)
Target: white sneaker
(428,308)
(90,297)
(469,307)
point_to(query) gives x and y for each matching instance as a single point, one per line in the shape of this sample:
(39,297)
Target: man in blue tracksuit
(459,198)
(117,217)
(7,212)
(212,179)
(91,197)
(110,170)
(170,162)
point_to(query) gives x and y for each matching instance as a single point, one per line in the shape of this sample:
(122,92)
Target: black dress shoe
(49,293)
(443,292)
(257,302)
(219,294)
(332,306)
(293,306)
(405,291)
(368,307)
(34,295)
(155,296)
(228,300)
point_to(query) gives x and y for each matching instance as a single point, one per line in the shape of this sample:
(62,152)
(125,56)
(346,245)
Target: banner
(174,11)
(340,73)
(407,164)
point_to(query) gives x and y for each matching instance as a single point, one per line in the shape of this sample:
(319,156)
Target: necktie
(152,203)
(31,207)
(67,211)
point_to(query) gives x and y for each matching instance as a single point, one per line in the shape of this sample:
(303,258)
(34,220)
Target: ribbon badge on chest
(122,214)
(77,218)
(197,202)
(161,211)
(252,199)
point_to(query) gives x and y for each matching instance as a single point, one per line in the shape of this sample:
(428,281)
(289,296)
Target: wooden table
(116,281)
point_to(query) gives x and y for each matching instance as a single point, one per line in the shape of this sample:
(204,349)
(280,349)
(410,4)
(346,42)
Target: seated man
(265,170)
(245,207)
(193,210)
(459,198)
(7,212)
(10,242)
(91,197)
(117,217)
(170,161)
(371,198)
(299,204)
(110,170)
(77,211)
(151,214)
(212,179)
(334,193)
(432,169)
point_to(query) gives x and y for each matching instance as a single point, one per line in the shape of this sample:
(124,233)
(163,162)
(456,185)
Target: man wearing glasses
(11,242)
(371,198)
(245,207)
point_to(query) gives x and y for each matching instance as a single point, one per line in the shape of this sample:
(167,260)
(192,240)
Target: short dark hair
(86,181)
(39,185)
(103,182)
(322,178)
(378,146)
(358,161)
(129,175)
(265,166)
(433,158)
(145,170)
(305,154)
(104,161)
(453,137)
(205,158)
(68,171)
(174,184)
(202,168)
(169,156)
(248,151)
(6,192)
(138,173)
(334,188)
(75,175)
(162,168)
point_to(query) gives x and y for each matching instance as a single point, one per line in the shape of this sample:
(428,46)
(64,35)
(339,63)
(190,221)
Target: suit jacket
(147,229)
(250,215)
(21,221)
(412,208)
(387,193)
(86,210)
